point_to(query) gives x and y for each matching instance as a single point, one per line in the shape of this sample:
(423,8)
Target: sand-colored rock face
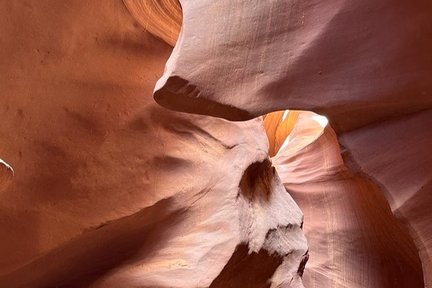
(366,66)
(396,155)
(354,61)
(350,227)
(112,190)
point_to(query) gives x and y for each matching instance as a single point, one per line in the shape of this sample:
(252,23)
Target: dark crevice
(246,270)
(179,95)
(256,181)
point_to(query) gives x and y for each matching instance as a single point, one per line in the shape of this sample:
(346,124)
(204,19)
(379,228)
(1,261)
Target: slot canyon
(216,143)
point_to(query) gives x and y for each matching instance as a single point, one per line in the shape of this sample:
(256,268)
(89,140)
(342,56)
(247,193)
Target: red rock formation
(395,154)
(348,223)
(354,61)
(112,190)
(162,18)
(364,64)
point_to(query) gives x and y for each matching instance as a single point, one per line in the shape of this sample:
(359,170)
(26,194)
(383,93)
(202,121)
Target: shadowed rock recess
(315,172)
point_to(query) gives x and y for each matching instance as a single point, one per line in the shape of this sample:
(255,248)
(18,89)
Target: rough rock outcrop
(112,190)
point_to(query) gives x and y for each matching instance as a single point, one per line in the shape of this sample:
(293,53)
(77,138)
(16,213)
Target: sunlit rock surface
(162,18)
(366,66)
(349,225)
(356,62)
(112,190)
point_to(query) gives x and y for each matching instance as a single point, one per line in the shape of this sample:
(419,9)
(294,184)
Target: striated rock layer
(112,190)
(395,154)
(348,223)
(356,62)
(366,66)
(162,18)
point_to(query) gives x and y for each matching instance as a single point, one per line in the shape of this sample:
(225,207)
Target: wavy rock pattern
(363,64)
(349,225)
(395,155)
(112,190)
(162,18)
(355,62)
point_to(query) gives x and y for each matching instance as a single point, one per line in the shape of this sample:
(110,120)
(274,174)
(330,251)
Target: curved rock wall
(363,64)
(350,227)
(112,190)
(162,18)
(356,62)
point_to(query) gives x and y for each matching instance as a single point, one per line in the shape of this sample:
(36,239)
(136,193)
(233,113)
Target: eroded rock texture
(162,18)
(366,66)
(354,61)
(395,154)
(354,238)
(112,190)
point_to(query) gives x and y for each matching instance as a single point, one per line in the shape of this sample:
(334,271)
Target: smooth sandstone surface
(112,190)
(396,155)
(356,62)
(162,18)
(363,64)
(354,239)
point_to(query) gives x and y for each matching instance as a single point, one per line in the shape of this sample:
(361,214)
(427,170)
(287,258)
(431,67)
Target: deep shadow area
(186,98)
(256,180)
(245,270)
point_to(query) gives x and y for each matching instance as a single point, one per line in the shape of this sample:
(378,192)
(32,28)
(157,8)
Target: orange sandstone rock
(112,190)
